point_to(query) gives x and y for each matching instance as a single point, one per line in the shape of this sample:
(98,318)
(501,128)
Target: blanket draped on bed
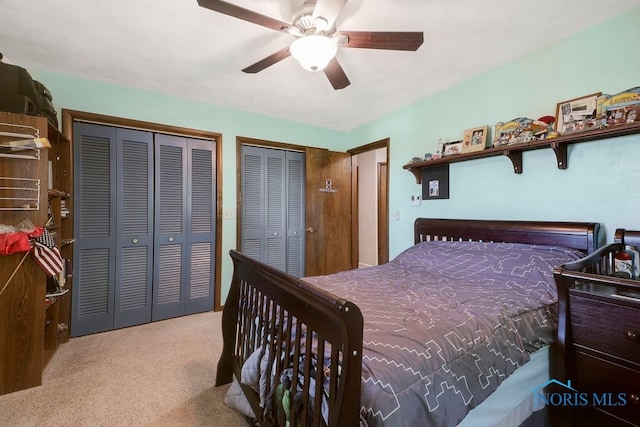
(446,323)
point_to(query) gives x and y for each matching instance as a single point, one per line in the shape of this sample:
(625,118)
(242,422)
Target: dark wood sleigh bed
(276,314)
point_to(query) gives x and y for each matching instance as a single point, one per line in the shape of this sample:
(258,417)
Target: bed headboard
(577,235)
(627,237)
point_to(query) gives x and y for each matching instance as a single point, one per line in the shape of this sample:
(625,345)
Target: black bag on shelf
(20,94)
(17,90)
(45,106)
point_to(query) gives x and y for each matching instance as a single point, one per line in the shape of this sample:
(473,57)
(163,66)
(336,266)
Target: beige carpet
(158,374)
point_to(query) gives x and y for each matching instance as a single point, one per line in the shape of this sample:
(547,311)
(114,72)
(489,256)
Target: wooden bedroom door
(328,213)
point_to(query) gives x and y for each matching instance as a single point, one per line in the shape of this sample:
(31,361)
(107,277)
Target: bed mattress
(513,401)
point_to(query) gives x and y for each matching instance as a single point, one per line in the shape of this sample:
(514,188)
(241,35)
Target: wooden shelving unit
(60,209)
(30,332)
(514,152)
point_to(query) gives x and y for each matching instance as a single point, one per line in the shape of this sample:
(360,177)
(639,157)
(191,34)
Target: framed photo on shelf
(435,182)
(578,114)
(451,148)
(475,139)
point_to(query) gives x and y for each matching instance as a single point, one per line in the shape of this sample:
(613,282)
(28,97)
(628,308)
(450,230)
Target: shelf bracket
(561,154)
(417,172)
(516,160)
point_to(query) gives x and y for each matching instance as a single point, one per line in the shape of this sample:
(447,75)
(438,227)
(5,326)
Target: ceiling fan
(317,39)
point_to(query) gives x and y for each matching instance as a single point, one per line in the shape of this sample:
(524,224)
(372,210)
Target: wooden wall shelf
(514,152)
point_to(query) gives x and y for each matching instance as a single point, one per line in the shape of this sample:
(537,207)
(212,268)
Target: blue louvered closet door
(184,231)
(145,246)
(115,227)
(134,227)
(295,213)
(273,207)
(94,224)
(201,226)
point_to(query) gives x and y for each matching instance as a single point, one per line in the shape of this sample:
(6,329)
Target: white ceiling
(179,48)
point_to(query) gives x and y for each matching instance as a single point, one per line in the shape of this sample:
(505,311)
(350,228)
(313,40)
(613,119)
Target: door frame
(355,244)
(69,116)
(383,212)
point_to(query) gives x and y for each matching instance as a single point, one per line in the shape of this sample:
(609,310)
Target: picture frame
(577,114)
(475,139)
(621,108)
(435,182)
(451,148)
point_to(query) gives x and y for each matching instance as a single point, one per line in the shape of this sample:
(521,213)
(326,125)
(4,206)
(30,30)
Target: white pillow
(235,398)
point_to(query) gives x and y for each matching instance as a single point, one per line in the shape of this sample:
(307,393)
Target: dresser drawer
(606,327)
(608,381)
(587,416)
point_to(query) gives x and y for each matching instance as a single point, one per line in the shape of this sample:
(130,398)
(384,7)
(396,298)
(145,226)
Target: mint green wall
(602,182)
(101,98)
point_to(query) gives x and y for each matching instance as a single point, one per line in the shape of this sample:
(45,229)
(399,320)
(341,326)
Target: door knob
(171,239)
(134,241)
(311,230)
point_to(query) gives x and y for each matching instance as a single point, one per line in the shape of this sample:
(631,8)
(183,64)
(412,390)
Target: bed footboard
(309,340)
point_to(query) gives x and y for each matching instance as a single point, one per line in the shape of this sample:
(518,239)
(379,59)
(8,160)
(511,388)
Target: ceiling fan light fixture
(314,51)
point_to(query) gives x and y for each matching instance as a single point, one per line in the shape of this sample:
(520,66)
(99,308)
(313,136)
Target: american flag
(47,254)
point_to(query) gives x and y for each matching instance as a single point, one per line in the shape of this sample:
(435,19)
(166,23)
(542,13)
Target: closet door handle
(171,239)
(135,241)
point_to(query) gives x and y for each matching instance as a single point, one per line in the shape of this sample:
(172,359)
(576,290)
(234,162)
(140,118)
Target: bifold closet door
(184,229)
(273,207)
(134,225)
(145,227)
(201,225)
(295,213)
(113,223)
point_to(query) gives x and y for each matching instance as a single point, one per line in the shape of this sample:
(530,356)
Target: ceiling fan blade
(244,14)
(336,75)
(329,10)
(268,61)
(389,40)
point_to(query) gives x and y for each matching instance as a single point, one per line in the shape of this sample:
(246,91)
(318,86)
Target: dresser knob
(633,336)
(635,398)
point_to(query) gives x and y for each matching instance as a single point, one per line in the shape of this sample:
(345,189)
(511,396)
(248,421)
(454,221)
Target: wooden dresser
(599,340)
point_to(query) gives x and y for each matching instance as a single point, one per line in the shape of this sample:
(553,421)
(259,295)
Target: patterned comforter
(446,323)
